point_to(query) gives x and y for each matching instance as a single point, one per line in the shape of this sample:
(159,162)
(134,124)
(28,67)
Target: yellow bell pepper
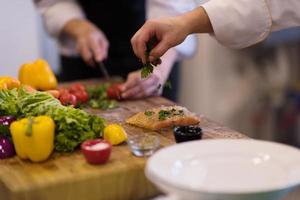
(7,82)
(38,75)
(33,138)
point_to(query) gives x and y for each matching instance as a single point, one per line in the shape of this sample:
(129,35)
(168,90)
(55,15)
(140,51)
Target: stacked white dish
(225,169)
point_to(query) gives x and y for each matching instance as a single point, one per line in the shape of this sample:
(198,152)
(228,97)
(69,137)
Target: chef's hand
(169,32)
(135,87)
(91,41)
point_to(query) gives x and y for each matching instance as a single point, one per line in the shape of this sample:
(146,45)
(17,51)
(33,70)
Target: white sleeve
(56,13)
(241,23)
(162,8)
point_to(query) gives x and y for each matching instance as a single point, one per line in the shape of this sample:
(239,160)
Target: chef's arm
(156,9)
(65,20)
(234,23)
(161,8)
(241,23)
(57,13)
(135,86)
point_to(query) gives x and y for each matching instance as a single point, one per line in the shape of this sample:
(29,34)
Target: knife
(103,69)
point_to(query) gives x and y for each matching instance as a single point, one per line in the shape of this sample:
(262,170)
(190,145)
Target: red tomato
(76,87)
(96,151)
(114,91)
(68,99)
(82,96)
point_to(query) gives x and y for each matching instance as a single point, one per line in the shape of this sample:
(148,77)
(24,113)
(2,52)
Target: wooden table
(69,177)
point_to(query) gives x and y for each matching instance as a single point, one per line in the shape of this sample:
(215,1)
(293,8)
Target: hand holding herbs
(148,67)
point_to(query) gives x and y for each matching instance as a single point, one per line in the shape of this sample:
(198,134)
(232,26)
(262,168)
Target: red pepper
(96,151)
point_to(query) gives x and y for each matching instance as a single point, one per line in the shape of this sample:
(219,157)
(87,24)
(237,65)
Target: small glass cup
(187,133)
(144,144)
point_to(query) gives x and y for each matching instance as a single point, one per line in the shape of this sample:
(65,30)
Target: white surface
(22,37)
(229,169)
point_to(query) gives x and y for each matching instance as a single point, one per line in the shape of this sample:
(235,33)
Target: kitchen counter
(69,176)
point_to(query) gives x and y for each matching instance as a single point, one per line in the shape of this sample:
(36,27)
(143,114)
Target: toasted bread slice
(163,117)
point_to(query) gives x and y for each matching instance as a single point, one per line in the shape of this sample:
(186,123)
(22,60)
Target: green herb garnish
(164,114)
(147,70)
(148,113)
(148,67)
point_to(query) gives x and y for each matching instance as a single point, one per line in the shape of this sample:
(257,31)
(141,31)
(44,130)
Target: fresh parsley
(148,67)
(164,114)
(148,113)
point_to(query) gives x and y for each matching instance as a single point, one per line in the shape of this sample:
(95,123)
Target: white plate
(226,169)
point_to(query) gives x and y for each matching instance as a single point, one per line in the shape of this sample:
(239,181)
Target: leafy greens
(73,126)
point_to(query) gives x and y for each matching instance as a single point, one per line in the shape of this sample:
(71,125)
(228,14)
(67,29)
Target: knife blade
(103,69)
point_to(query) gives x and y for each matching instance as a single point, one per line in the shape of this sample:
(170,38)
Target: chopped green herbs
(99,99)
(164,114)
(147,70)
(148,113)
(148,67)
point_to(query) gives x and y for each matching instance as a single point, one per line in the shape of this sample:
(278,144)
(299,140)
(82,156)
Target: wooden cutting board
(70,177)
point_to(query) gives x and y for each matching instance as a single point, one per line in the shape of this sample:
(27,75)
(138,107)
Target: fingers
(96,49)
(93,46)
(138,42)
(85,52)
(141,88)
(140,39)
(132,80)
(150,91)
(99,46)
(160,49)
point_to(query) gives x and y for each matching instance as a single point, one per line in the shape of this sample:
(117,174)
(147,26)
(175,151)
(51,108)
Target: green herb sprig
(148,67)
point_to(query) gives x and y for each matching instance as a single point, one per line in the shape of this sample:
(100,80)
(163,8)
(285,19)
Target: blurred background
(255,90)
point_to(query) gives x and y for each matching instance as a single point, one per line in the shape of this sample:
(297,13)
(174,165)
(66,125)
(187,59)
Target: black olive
(187,133)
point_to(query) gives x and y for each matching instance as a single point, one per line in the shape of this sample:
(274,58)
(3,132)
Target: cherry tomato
(68,99)
(114,91)
(82,96)
(76,87)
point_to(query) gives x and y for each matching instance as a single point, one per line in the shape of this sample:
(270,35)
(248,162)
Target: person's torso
(119,20)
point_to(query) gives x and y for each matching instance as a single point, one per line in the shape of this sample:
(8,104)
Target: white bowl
(226,169)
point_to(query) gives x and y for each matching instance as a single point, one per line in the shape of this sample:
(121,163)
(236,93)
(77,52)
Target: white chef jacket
(56,13)
(241,23)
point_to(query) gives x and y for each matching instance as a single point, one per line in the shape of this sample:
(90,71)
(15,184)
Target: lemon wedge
(115,134)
